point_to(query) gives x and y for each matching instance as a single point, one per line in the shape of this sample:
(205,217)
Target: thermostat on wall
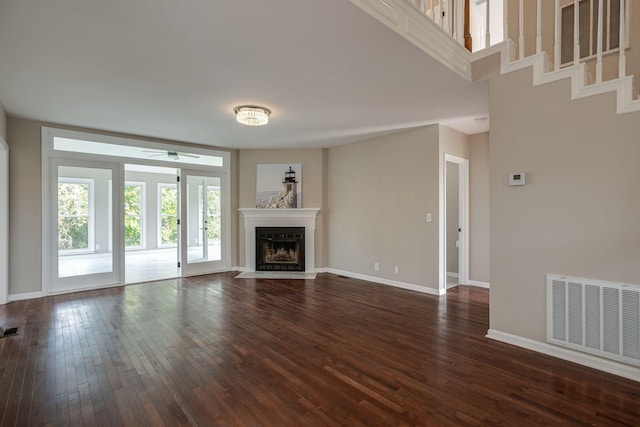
(517,178)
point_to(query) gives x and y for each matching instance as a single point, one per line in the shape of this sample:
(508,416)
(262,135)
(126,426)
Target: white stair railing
(450,16)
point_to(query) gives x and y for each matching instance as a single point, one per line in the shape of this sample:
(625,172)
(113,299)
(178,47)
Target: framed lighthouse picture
(279,185)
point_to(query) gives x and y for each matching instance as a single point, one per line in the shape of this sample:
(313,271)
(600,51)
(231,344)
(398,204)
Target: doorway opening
(454,223)
(150,223)
(453,228)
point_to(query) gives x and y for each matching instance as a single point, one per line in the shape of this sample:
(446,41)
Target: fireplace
(280,249)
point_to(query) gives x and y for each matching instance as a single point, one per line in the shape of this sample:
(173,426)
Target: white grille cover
(595,317)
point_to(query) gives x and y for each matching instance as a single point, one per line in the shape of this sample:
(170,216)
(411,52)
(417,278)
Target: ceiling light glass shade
(252,115)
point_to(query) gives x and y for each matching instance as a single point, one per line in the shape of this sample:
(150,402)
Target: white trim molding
(416,27)
(616,368)
(479,284)
(579,75)
(25,296)
(382,281)
(463,223)
(4,222)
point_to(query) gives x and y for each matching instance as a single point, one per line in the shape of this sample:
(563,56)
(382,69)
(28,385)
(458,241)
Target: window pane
(73,215)
(84,221)
(73,233)
(133,215)
(213,216)
(169,216)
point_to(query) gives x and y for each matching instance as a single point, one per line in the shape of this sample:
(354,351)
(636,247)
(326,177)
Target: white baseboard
(321,270)
(612,367)
(453,274)
(394,283)
(479,284)
(24,296)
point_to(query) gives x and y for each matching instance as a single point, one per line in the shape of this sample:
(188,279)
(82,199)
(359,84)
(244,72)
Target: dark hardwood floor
(213,350)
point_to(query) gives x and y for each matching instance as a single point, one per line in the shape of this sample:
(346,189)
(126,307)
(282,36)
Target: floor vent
(596,317)
(8,332)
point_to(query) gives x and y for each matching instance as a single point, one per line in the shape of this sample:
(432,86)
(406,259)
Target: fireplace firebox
(280,249)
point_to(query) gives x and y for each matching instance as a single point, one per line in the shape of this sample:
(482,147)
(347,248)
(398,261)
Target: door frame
(204,267)
(4,221)
(463,206)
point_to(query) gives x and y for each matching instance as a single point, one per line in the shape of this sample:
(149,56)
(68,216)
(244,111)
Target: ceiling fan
(173,155)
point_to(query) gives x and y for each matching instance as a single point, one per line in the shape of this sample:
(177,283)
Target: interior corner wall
(25,206)
(3,123)
(313,187)
(25,200)
(577,215)
(379,192)
(479,193)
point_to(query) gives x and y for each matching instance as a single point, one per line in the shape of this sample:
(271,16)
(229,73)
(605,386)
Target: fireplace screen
(280,249)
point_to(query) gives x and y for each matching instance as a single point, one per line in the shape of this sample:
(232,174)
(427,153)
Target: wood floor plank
(215,350)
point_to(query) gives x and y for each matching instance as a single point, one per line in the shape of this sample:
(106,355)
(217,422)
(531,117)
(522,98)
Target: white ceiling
(171,69)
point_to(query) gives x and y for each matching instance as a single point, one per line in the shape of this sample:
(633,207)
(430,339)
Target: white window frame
(143,214)
(162,185)
(91,244)
(606,35)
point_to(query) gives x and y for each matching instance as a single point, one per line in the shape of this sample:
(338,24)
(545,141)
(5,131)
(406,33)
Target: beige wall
(578,213)
(25,202)
(25,207)
(610,62)
(313,187)
(479,182)
(379,192)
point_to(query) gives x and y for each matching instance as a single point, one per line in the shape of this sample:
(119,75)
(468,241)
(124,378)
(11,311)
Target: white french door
(85,217)
(203,222)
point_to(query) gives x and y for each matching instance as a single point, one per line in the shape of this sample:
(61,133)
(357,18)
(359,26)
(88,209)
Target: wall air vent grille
(595,317)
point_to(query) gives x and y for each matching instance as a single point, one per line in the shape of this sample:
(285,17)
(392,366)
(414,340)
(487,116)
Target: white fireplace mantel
(305,217)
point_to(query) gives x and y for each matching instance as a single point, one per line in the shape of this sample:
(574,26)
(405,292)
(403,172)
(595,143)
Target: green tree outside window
(168,216)
(73,215)
(133,215)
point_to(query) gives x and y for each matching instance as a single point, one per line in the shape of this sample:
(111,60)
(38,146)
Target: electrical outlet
(396,269)
(376,266)
(429,217)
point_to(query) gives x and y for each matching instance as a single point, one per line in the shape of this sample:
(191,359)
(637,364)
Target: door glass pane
(133,226)
(203,219)
(168,215)
(83,221)
(213,220)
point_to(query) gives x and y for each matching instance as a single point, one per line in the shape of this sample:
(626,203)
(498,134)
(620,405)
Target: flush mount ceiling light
(252,115)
